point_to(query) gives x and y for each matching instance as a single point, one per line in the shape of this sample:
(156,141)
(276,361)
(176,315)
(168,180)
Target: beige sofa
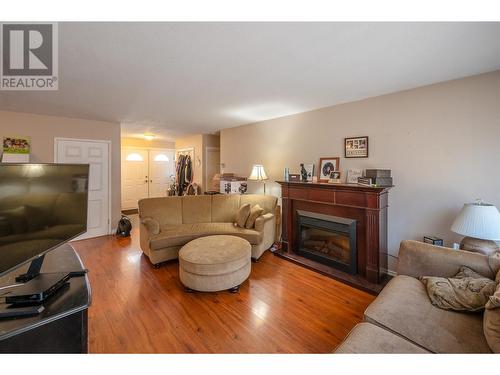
(402,318)
(169,223)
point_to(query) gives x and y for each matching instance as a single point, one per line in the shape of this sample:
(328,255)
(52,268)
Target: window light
(134,156)
(161,157)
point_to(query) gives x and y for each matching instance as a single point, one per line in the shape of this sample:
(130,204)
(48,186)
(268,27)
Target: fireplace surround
(363,208)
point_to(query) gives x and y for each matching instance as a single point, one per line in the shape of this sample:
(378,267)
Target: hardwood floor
(282,308)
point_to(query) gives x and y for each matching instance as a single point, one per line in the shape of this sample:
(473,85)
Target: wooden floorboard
(282,308)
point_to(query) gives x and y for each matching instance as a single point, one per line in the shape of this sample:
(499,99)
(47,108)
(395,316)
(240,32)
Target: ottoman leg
(235,289)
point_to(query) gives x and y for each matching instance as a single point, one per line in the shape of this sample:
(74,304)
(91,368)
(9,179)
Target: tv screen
(41,207)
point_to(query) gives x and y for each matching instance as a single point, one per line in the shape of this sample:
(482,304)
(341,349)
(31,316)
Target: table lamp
(480,224)
(259,174)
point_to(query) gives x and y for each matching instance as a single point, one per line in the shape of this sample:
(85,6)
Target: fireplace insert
(330,240)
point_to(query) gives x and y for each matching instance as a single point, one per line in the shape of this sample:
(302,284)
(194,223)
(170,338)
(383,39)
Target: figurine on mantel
(303,172)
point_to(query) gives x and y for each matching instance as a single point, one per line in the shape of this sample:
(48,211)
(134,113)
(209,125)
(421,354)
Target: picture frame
(308,171)
(352,176)
(335,177)
(326,166)
(356,147)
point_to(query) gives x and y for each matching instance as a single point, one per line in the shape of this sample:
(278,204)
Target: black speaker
(124,227)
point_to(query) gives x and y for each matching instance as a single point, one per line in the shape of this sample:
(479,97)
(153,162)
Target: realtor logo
(29,56)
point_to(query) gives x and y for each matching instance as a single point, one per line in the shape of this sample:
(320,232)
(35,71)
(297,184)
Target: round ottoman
(214,263)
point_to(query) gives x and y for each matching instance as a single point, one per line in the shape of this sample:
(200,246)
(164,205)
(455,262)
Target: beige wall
(442,143)
(199,142)
(209,140)
(144,143)
(43,130)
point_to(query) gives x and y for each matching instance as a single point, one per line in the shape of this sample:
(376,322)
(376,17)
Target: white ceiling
(181,78)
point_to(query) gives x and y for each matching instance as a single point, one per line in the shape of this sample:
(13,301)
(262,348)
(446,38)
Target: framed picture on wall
(356,147)
(326,167)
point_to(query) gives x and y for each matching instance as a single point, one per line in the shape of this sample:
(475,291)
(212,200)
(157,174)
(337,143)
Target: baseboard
(389,272)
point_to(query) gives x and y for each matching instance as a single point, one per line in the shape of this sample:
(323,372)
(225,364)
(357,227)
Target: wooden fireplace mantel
(367,205)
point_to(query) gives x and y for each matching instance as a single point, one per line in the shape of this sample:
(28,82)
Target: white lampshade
(478,220)
(258,173)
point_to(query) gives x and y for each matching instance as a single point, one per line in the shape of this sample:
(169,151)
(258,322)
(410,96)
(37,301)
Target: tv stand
(25,300)
(61,325)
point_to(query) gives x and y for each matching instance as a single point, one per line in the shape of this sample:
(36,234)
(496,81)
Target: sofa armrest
(420,259)
(151,224)
(261,220)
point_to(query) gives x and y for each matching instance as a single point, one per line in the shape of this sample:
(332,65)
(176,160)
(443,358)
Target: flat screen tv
(41,207)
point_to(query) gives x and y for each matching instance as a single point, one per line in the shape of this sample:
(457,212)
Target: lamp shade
(258,173)
(478,220)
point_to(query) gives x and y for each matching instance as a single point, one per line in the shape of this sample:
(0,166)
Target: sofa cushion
(494,263)
(180,235)
(224,208)
(494,300)
(255,212)
(165,210)
(267,202)
(491,325)
(467,291)
(403,307)
(242,215)
(196,209)
(368,338)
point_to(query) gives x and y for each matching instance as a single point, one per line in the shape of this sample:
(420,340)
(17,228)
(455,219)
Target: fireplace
(339,230)
(327,239)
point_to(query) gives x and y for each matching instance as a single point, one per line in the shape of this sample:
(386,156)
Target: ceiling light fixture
(149,136)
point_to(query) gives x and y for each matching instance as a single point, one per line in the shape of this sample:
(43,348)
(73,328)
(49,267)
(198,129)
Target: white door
(161,169)
(135,177)
(96,154)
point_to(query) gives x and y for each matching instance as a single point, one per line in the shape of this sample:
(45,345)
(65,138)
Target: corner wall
(442,143)
(199,142)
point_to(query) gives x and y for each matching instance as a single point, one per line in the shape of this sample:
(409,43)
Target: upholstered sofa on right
(402,318)
(168,223)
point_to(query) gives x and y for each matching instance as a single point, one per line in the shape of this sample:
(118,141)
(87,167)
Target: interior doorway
(96,153)
(212,167)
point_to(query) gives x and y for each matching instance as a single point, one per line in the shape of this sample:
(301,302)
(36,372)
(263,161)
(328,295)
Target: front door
(161,170)
(135,177)
(96,154)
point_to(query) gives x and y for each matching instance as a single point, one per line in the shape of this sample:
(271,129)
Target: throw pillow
(242,215)
(467,291)
(491,329)
(255,212)
(494,263)
(494,300)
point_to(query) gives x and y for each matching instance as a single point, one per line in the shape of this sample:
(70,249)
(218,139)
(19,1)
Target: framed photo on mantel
(326,167)
(356,147)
